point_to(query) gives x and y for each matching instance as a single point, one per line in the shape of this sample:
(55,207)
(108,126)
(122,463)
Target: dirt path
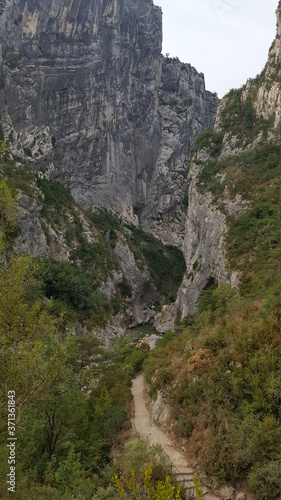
(145,427)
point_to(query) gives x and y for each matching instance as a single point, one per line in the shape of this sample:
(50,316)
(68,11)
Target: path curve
(145,427)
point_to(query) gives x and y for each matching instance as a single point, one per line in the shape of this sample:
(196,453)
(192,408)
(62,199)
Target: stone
(241,496)
(87,98)
(160,412)
(144,292)
(226,493)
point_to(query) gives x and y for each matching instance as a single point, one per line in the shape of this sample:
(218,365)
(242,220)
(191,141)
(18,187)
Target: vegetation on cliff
(220,369)
(72,397)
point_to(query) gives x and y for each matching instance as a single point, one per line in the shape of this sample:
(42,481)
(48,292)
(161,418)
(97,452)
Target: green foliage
(69,283)
(55,195)
(97,259)
(3,150)
(239,114)
(104,220)
(71,400)
(221,376)
(8,217)
(14,63)
(198,489)
(254,243)
(2,137)
(184,427)
(265,480)
(253,239)
(27,152)
(168,337)
(203,140)
(145,473)
(136,360)
(125,288)
(211,140)
(19,178)
(165,263)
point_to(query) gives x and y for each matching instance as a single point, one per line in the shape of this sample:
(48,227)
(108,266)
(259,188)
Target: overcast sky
(227,40)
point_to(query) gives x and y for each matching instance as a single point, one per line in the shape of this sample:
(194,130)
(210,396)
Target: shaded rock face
(87,98)
(80,85)
(203,244)
(185,110)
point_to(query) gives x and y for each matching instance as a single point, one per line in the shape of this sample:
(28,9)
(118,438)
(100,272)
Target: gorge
(130,195)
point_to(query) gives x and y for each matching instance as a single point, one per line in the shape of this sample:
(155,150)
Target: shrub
(265,480)
(68,283)
(185,427)
(55,194)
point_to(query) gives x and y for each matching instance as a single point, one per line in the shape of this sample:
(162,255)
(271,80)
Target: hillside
(130,196)
(219,371)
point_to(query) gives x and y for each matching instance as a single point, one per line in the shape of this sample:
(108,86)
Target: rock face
(185,110)
(39,238)
(205,222)
(144,292)
(203,244)
(87,98)
(265,91)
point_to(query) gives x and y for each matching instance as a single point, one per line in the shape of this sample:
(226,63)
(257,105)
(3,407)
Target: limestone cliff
(86,98)
(206,225)
(185,110)
(246,118)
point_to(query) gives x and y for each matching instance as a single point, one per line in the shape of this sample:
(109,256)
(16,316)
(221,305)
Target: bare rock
(226,493)
(240,496)
(160,411)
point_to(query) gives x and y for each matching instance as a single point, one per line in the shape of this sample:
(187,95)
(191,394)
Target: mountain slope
(87,99)
(219,370)
(232,224)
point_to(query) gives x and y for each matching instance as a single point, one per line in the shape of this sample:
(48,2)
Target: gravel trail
(145,427)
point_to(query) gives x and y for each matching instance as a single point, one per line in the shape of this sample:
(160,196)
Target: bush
(55,194)
(68,283)
(185,427)
(265,481)
(135,360)
(266,444)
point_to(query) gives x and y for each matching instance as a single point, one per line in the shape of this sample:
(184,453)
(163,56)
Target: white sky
(227,40)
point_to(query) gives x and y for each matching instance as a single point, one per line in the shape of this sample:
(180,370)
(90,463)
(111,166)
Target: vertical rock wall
(87,98)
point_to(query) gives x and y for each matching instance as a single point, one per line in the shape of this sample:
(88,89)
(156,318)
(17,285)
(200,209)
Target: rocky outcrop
(144,293)
(265,94)
(31,238)
(79,93)
(87,98)
(185,110)
(39,237)
(205,229)
(204,243)
(160,411)
(206,222)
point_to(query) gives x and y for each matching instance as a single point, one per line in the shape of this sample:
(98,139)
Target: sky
(227,40)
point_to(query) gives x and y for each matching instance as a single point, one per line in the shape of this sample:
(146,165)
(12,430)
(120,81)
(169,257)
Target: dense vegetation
(221,368)
(73,398)
(75,285)
(221,374)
